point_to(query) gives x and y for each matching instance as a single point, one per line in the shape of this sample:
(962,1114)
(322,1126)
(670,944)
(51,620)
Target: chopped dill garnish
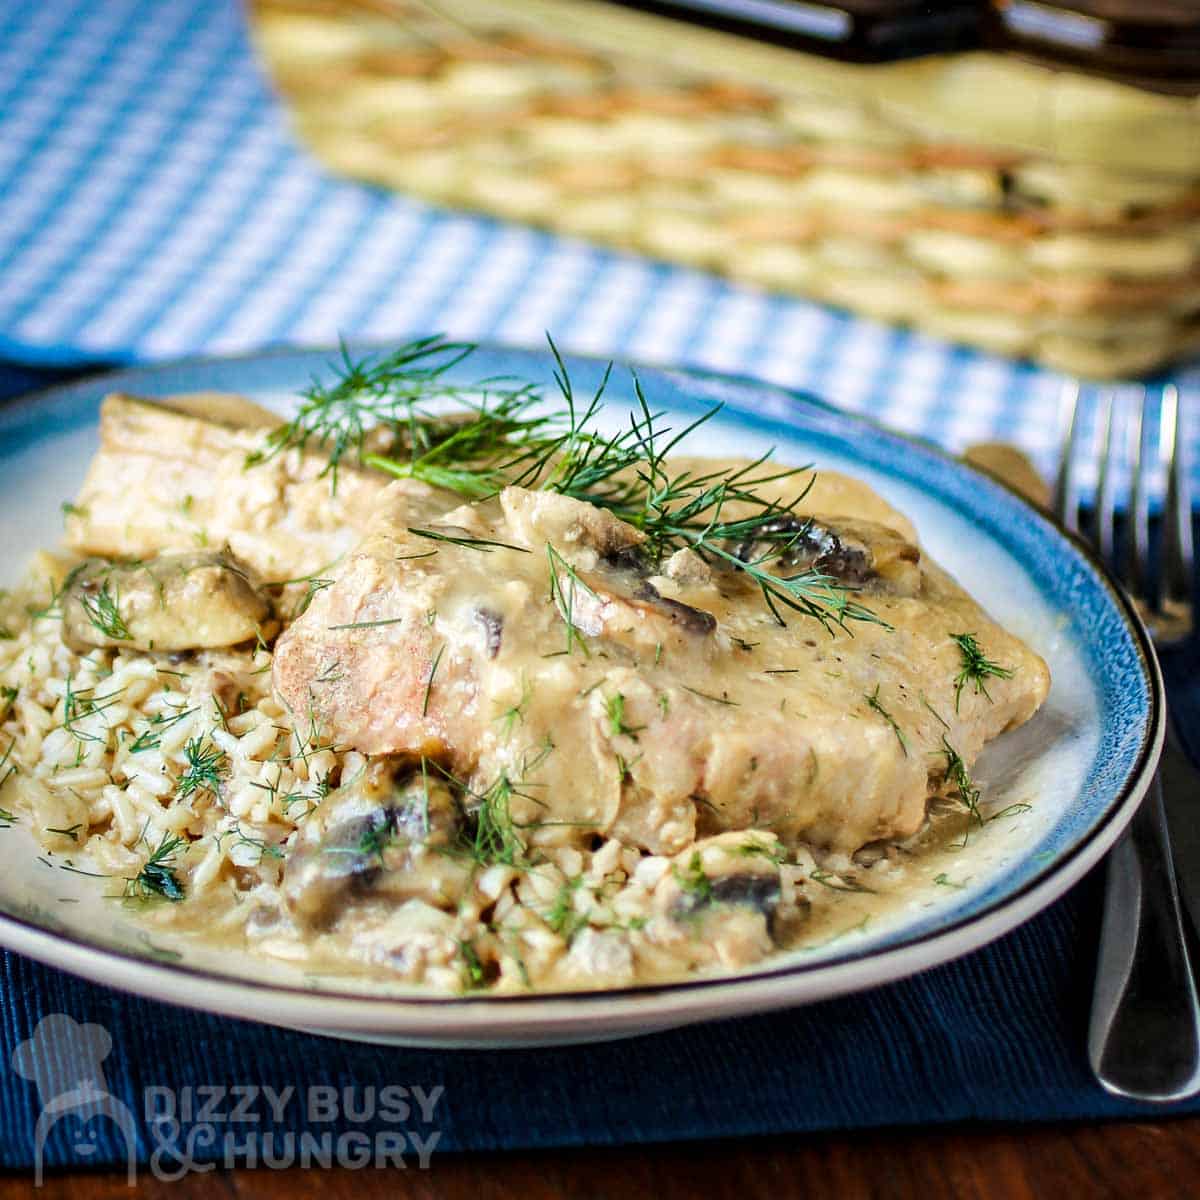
(1012,810)
(976,667)
(53,608)
(963,787)
(331,674)
(103,611)
(437,658)
(563,597)
(487,545)
(516,712)
(72,832)
(8,697)
(944,880)
(241,838)
(474,976)
(614,708)
(874,703)
(313,585)
(838,883)
(77,705)
(694,881)
(488,835)
(151,737)
(937,716)
(367,624)
(562,917)
(321,789)
(157,879)
(7,819)
(205,771)
(707,696)
(768,850)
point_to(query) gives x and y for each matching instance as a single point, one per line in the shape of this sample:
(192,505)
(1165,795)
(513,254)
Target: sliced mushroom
(170,603)
(727,894)
(861,554)
(358,849)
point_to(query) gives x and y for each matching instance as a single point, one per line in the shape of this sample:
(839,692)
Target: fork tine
(1106,488)
(1178,557)
(1066,484)
(1138,543)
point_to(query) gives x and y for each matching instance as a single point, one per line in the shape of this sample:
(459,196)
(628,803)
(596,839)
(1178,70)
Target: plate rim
(685,1000)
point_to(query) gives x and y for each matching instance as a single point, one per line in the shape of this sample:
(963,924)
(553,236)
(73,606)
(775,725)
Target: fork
(1144,1034)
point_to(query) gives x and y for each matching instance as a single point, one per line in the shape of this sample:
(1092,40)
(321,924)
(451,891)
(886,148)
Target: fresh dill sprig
(504,439)
(390,390)
(494,838)
(157,880)
(874,703)
(976,667)
(488,834)
(962,786)
(102,609)
(628,476)
(80,704)
(205,771)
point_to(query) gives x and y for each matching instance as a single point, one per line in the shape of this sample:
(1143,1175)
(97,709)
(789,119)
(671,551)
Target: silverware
(1144,1035)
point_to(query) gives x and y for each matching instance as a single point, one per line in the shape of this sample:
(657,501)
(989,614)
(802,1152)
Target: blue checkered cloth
(153,203)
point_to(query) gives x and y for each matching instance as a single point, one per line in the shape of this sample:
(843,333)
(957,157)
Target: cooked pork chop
(174,476)
(532,643)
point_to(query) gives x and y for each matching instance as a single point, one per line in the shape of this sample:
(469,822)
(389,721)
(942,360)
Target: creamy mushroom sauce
(547,756)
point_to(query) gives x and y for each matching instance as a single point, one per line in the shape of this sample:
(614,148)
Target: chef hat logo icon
(64,1060)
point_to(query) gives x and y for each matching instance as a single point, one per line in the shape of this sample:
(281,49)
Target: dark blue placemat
(996,1036)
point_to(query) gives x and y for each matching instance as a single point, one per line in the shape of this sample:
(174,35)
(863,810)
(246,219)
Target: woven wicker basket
(1026,210)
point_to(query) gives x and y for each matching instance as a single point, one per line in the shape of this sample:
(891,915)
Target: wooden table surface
(1142,1160)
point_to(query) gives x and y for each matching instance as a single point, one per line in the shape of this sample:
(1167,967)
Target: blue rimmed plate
(1069,780)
